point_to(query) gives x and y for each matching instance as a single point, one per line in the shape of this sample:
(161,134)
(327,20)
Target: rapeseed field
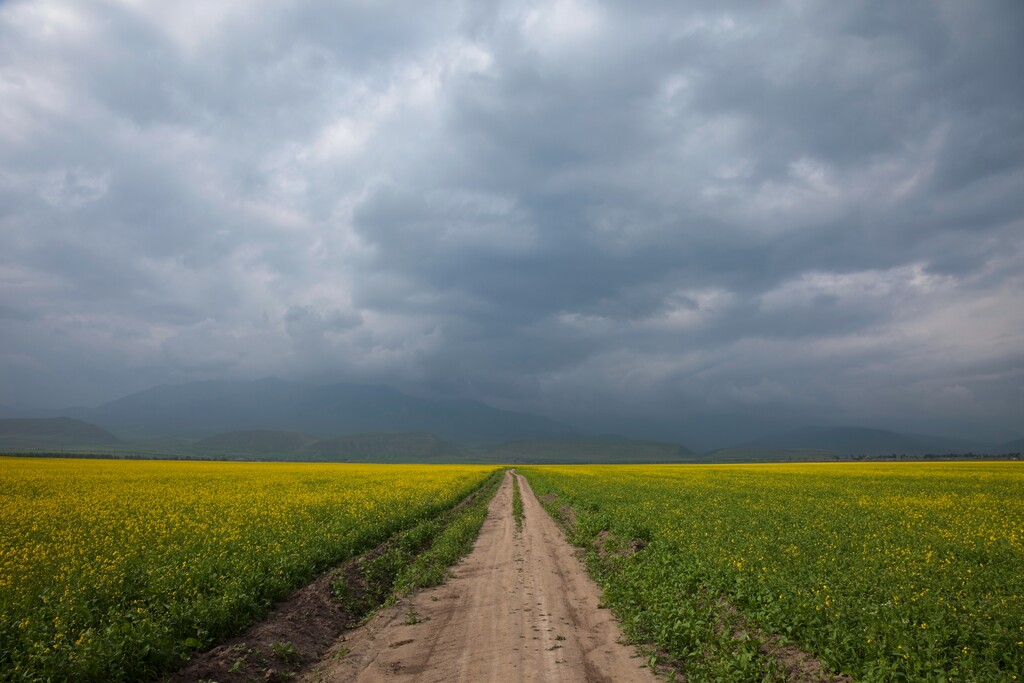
(885,572)
(116,570)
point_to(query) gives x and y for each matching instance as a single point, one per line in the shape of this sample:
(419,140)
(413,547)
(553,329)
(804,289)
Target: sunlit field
(906,571)
(116,570)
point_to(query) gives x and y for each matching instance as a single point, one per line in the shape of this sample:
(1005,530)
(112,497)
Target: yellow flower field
(114,570)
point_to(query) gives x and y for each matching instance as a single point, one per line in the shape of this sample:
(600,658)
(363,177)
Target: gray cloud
(575,208)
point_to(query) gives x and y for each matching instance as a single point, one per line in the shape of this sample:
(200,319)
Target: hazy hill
(700,432)
(52,433)
(850,441)
(1015,446)
(743,454)
(589,451)
(255,441)
(384,447)
(204,408)
(426,447)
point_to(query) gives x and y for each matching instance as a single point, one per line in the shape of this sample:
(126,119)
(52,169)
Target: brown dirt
(520,607)
(800,666)
(295,633)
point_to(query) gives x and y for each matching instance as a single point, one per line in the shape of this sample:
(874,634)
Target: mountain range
(53,433)
(823,442)
(364,447)
(201,409)
(275,418)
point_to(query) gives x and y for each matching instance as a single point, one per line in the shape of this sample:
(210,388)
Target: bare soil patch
(295,633)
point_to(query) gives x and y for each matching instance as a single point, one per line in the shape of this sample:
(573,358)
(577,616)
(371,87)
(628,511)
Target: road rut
(519,607)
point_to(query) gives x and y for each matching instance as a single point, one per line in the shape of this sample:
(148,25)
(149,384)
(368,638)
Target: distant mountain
(367,447)
(596,450)
(425,447)
(1015,446)
(402,447)
(254,441)
(700,432)
(52,433)
(742,454)
(201,409)
(852,441)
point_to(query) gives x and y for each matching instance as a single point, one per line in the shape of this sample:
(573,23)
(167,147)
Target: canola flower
(115,570)
(885,571)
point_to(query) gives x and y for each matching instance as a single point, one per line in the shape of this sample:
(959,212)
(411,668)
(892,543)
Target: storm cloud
(574,208)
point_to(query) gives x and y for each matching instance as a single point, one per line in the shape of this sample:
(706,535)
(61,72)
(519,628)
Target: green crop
(517,503)
(885,572)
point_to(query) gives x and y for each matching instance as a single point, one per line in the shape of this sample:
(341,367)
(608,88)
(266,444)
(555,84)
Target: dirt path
(519,608)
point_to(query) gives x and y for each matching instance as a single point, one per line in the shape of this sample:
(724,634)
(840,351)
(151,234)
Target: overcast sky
(568,207)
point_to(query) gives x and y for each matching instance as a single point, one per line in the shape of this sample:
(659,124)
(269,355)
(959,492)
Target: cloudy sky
(571,207)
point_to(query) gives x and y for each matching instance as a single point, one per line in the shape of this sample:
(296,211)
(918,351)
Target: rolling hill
(52,434)
(1015,446)
(384,447)
(366,447)
(426,447)
(737,454)
(823,442)
(254,441)
(593,450)
(202,409)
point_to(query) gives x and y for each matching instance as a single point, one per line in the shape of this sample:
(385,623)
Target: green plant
(882,571)
(286,652)
(517,503)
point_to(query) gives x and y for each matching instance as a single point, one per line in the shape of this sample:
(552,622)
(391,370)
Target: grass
(517,503)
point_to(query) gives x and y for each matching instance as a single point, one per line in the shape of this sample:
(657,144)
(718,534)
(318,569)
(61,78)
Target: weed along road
(518,608)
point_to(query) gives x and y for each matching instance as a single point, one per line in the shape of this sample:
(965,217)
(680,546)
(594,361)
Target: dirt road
(519,608)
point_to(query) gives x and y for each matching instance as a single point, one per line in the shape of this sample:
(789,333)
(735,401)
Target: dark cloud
(575,208)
